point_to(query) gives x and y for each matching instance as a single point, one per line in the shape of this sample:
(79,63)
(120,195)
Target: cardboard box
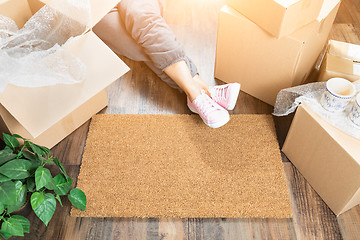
(342,60)
(46,115)
(344,50)
(278,17)
(263,64)
(328,158)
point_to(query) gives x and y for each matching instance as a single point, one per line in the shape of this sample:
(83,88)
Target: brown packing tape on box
(263,64)
(55,103)
(328,158)
(336,66)
(279,18)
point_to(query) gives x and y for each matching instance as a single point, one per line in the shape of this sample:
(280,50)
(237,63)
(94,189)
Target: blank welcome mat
(176,166)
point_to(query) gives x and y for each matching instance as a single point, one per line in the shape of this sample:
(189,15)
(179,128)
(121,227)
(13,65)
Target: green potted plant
(23,175)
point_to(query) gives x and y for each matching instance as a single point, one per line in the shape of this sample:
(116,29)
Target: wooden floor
(141,92)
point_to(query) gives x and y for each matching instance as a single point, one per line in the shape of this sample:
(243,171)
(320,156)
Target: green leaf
(33,148)
(78,198)
(16,169)
(18,136)
(44,149)
(29,155)
(42,177)
(43,206)
(30,183)
(24,222)
(62,185)
(21,195)
(8,148)
(1,208)
(61,167)
(58,198)
(7,193)
(4,178)
(11,141)
(5,235)
(13,227)
(34,165)
(6,155)
(50,184)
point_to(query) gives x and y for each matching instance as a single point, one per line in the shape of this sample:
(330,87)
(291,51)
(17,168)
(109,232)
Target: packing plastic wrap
(36,55)
(288,100)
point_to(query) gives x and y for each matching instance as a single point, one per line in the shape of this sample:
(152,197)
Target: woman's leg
(112,31)
(163,76)
(143,21)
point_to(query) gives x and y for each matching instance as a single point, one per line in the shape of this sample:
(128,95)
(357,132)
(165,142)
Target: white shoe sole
(234,93)
(212,125)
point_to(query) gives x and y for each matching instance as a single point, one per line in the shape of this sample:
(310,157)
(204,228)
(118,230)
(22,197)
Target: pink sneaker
(225,95)
(211,113)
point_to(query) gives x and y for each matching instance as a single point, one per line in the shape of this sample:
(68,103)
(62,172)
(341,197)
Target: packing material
(48,114)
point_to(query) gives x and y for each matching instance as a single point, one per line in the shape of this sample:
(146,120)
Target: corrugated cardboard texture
(176,166)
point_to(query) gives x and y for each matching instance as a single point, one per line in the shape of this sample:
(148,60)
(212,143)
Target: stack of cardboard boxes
(268,45)
(46,115)
(328,158)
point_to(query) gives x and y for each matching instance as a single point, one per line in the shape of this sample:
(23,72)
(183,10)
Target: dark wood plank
(70,150)
(311,217)
(349,223)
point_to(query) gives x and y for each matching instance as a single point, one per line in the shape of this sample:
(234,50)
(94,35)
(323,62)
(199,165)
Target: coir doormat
(176,166)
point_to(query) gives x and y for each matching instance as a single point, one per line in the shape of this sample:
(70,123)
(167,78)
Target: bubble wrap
(36,55)
(288,100)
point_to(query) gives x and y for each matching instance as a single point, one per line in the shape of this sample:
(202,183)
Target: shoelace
(205,104)
(219,93)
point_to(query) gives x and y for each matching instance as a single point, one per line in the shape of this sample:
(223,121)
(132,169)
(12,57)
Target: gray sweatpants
(137,30)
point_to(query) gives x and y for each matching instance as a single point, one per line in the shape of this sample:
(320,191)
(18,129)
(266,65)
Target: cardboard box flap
(353,202)
(286,3)
(98,9)
(345,50)
(304,33)
(327,7)
(17,10)
(349,143)
(50,104)
(316,40)
(342,65)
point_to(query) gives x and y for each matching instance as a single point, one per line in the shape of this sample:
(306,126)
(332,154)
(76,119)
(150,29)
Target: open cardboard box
(263,64)
(342,60)
(278,17)
(328,158)
(344,50)
(46,115)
